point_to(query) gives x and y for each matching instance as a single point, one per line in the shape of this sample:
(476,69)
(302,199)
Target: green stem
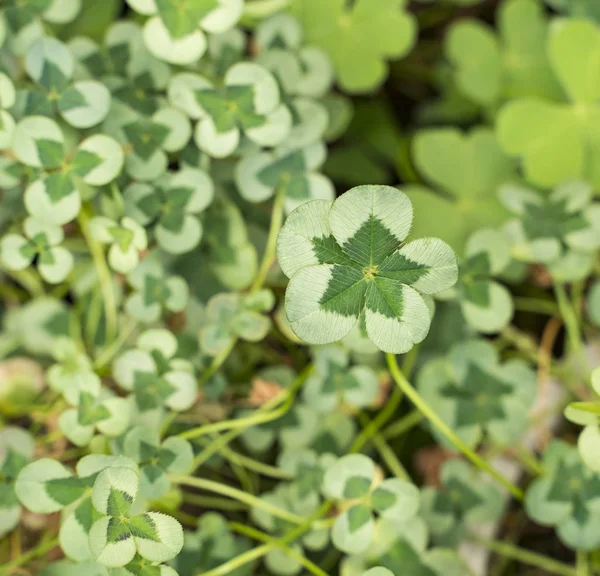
(217,362)
(104,276)
(262,537)
(28,280)
(583,565)
(264,8)
(536,306)
(403,425)
(111,351)
(214,502)
(425,409)
(271,248)
(569,317)
(527,557)
(239,495)
(240,560)
(254,465)
(41,549)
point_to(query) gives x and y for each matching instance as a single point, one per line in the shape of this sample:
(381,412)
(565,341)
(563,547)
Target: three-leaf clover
(475,394)
(172,207)
(463,502)
(157,459)
(153,374)
(345,259)
(230,316)
(560,229)
(486,305)
(358,37)
(467,168)
(55,196)
(248,103)
(566,496)
(50,65)
(16,450)
(40,243)
(334,383)
(490,68)
(155,291)
(116,536)
(557,141)
(126,240)
(353,481)
(288,172)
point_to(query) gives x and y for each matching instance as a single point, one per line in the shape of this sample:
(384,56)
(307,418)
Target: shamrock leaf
(475,394)
(566,496)
(126,239)
(172,208)
(291,173)
(54,196)
(94,410)
(153,374)
(46,486)
(115,537)
(248,103)
(467,168)
(41,244)
(345,257)
(155,291)
(284,498)
(358,38)
(486,305)
(560,229)
(16,450)
(211,545)
(490,68)
(50,65)
(302,70)
(140,566)
(333,383)
(557,141)
(353,480)
(156,459)
(464,502)
(231,316)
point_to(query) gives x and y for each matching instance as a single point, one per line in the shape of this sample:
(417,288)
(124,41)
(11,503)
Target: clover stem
(240,560)
(293,554)
(42,548)
(264,8)
(527,557)
(239,495)
(450,435)
(583,566)
(104,276)
(536,306)
(403,425)
(569,317)
(217,362)
(271,248)
(28,280)
(111,351)
(213,502)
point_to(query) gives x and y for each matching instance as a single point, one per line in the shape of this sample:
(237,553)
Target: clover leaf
(358,37)
(116,537)
(333,383)
(291,173)
(126,239)
(16,450)
(316,539)
(54,197)
(46,486)
(463,503)
(172,208)
(155,291)
(50,65)
(156,459)
(560,229)
(346,257)
(153,374)
(467,168)
(211,545)
(40,243)
(353,481)
(489,68)
(475,394)
(7,100)
(566,496)
(486,305)
(557,141)
(230,316)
